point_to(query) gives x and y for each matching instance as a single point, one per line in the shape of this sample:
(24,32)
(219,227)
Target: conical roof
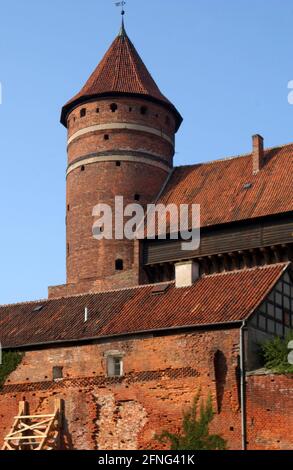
(121,72)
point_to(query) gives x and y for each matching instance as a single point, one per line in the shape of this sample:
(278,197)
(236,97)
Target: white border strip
(115,158)
(120,126)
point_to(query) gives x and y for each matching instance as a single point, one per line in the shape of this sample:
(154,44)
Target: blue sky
(225,64)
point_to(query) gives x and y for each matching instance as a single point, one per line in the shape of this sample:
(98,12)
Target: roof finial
(122,31)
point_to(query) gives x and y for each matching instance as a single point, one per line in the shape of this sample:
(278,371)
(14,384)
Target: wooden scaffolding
(35,432)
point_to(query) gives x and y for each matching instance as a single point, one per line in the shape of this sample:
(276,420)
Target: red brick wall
(91,262)
(162,376)
(270,411)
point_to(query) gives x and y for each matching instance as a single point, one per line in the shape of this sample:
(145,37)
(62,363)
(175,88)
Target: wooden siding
(223,240)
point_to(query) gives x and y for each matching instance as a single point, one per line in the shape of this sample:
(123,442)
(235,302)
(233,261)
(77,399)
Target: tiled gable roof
(227,190)
(216,299)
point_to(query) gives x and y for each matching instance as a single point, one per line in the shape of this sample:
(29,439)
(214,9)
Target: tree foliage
(195,429)
(10,361)
(275,354)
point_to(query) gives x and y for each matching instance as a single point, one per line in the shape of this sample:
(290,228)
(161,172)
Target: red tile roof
(121,71)
(215,299)
(219,187)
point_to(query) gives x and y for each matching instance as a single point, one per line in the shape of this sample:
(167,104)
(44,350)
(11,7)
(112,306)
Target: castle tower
(121,135)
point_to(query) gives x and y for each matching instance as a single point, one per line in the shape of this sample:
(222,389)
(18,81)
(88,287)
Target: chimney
(186,273)
(258,153)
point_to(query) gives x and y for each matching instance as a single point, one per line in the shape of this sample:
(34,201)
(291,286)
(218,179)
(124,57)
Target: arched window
(113,107)
(83,112)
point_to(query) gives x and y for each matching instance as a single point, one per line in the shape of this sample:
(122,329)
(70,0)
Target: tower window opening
(143,110)
(68,249)
(113,107)
(106,137)
(119,265)
(68,207)
(118,163)
(82,168)
(97,110)
(137,197)
(83,112)
(130,109)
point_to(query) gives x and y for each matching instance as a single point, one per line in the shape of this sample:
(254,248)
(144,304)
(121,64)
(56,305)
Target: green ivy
(10,361)
(195,430)
(275,354)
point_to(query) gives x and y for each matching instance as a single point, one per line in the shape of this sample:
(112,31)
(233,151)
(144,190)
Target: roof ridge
(284,264)
(233,157)
(122,289)
(143,286)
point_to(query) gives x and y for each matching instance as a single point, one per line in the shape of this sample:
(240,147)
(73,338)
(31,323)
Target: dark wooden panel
(223,240)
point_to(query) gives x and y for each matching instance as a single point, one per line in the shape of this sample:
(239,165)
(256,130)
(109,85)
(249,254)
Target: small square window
(57,373)
(115,366)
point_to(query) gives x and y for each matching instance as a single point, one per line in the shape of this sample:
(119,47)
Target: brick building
(141,325)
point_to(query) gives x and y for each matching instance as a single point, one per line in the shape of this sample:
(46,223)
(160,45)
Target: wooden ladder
(35,432)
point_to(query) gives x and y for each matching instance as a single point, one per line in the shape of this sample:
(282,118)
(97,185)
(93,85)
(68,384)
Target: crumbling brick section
(118,423)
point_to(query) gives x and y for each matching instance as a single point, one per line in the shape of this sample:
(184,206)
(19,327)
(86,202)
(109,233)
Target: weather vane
(122,5)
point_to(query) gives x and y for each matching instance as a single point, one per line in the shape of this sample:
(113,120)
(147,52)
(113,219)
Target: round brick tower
(121,134)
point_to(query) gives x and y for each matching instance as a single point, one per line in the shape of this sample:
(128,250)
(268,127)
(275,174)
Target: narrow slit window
(82,112)
(82,168)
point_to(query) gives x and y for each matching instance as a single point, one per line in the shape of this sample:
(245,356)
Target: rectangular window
(57,373)
(115,366)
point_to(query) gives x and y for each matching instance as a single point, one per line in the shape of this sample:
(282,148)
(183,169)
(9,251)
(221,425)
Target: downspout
(242,386)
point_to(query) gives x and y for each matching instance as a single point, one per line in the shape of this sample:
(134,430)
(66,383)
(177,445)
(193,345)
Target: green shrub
(195,430)
(275,354)
(10,361)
